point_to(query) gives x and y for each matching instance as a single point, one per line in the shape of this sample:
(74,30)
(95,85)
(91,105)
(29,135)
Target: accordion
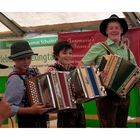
(86,84)
(52,90)
(120,75)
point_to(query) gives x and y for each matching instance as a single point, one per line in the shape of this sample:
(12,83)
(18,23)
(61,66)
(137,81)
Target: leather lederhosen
(113,110)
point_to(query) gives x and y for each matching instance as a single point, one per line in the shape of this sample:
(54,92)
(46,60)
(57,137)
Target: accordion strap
(128,51)
(20,76)
(109,51)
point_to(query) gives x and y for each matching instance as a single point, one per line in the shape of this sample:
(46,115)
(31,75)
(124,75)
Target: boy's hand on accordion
(103,74)
(39,109)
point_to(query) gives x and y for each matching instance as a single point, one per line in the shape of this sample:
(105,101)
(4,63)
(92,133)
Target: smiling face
(65,56)
(114,31)
(23,63)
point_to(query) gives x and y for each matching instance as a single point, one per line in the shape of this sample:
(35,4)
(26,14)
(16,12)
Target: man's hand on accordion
(38,109)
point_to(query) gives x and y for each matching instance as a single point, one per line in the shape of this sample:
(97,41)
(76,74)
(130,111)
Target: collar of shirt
(112,43)
(23,73)
(68,67)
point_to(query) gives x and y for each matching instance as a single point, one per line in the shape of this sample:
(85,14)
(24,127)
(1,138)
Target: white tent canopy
(26,19)
(19,23)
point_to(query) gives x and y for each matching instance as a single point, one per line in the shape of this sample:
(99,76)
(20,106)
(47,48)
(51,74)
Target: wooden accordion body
(86,84)
(52,90)
(120,75)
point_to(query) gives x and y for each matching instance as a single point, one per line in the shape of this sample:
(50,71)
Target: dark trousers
(113,110)
(32,121)
(71,118)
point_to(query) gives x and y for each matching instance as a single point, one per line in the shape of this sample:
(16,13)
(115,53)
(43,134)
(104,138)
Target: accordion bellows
(86,84)
(62,90)
(51,89)
(120,75)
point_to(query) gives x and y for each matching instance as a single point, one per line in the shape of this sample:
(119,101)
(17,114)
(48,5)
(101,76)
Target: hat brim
(105,22)
(22,56)
(3,66)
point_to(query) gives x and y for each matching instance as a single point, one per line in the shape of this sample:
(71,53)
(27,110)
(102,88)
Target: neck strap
(109,51)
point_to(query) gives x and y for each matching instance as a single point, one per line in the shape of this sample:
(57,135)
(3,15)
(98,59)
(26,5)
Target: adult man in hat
(112,110)
(5,110)
(16,94)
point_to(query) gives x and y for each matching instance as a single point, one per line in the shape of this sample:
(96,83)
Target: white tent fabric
(31,19)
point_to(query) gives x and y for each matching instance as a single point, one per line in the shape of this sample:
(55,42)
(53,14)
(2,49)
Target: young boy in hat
(28,116)
(5,110)
(112,110)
